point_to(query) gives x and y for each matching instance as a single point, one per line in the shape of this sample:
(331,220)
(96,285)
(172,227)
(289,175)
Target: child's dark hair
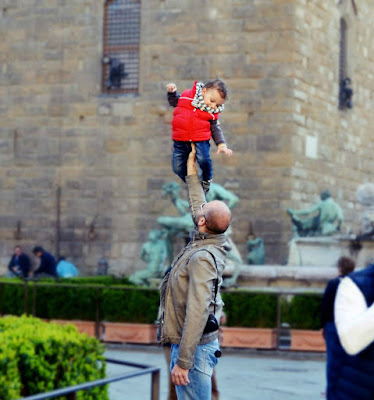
(220,86)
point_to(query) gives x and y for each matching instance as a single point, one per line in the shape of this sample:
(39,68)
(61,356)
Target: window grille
(343,50)
(121,46)
(345,84)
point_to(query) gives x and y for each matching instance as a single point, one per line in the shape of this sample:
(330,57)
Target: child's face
(212,98)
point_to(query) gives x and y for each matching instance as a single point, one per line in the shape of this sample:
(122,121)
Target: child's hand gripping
(171,87)
(223,149)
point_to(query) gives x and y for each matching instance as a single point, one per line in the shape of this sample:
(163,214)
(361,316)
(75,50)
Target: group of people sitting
(20,265)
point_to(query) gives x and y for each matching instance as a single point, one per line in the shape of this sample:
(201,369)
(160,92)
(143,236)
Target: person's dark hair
(38,249)
(346,265)
(220,86)
(61,258)
(18,247)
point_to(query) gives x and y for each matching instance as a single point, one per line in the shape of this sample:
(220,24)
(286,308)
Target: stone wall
(333,148)
(110,155)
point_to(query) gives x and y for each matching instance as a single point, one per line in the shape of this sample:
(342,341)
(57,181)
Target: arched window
(120,72)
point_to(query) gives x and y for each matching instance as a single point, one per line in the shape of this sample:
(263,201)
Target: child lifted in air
(196,121)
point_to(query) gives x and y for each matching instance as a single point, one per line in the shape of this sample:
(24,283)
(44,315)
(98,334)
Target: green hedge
(250,310)
(36,357)
(134,304)
(303,312)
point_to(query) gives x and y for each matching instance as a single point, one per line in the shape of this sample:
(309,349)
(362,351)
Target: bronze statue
(256,250)
(153,253)
(175,226)
(218,192)
(183,225)
(323,219)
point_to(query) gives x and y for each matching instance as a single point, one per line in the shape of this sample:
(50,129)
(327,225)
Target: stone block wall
(110,155)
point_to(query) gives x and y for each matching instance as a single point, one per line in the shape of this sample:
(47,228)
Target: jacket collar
(208,238)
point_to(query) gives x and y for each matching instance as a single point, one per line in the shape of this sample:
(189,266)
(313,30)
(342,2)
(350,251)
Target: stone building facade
(81,170)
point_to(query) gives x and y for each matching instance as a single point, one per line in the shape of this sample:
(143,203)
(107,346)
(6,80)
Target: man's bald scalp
(218,216)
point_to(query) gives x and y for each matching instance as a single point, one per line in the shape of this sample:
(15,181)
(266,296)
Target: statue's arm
(307,211)
(181,206)
(196,196)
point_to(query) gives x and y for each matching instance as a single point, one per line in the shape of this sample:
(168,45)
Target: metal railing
(71,391)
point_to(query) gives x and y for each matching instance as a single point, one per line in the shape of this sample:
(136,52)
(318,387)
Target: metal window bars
(120,70)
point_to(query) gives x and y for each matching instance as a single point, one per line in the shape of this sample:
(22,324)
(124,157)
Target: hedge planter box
(87,327)
(307,340)
(258,338)
(129,333)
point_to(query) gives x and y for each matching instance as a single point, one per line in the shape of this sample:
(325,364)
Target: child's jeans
(180,156)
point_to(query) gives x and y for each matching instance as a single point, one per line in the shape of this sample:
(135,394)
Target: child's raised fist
(171,87)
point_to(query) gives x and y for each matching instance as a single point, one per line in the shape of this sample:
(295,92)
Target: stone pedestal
(325,251)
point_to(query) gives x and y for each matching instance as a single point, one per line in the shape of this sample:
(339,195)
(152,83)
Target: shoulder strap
(216,282)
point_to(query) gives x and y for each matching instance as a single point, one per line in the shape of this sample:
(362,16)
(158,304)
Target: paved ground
(242,375)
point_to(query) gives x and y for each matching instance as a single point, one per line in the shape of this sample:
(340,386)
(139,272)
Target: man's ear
(201,221)
(203,91)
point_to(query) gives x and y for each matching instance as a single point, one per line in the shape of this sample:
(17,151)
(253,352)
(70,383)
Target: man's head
(345,266)
(213,217)
(17,251)
(38,251)
(214,93)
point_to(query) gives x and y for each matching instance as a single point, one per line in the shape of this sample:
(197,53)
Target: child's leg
(203,159)
(180,156)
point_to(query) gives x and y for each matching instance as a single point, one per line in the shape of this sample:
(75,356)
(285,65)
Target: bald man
(190,303)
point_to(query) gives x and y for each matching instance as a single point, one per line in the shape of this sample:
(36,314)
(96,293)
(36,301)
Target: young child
(196,121)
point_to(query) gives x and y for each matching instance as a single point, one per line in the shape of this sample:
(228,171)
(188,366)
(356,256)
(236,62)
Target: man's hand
(171,87)
(191,161)
(179,376)
(224,149)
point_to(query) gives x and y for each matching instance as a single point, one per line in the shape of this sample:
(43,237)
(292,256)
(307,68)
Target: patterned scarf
(198,101)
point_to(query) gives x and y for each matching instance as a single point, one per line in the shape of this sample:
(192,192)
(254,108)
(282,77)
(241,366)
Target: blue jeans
(180,156)
(200,376)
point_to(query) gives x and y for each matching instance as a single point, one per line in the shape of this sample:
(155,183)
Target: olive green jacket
(187,291)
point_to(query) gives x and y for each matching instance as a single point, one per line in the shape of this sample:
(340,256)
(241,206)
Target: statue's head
(171,188)
(325,194)
(154,234)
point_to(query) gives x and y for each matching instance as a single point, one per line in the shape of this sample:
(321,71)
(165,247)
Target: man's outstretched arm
(196,196)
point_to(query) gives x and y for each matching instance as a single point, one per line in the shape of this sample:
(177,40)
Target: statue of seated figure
(323,219)
(153,253)
(256,250)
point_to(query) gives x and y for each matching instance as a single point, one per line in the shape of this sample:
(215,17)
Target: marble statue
(323,219)
(153,252)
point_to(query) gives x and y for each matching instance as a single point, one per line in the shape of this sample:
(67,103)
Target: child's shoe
(206,186)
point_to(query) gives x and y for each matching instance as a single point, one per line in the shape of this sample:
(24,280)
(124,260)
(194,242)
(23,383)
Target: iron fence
(71,391)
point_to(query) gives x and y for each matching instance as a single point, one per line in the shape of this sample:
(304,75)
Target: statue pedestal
(325,251)
(316,251)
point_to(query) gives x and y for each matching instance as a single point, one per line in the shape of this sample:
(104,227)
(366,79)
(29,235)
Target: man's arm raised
(196,195)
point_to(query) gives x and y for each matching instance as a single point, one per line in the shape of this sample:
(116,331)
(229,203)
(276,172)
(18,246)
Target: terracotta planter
(129,333)
(307,340)
(87,327)
(258,338)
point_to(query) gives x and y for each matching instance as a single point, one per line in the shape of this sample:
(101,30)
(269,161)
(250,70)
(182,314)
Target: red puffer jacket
(189,123)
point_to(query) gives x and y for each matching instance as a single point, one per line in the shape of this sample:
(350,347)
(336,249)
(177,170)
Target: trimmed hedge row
(137,305)
(36,357)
